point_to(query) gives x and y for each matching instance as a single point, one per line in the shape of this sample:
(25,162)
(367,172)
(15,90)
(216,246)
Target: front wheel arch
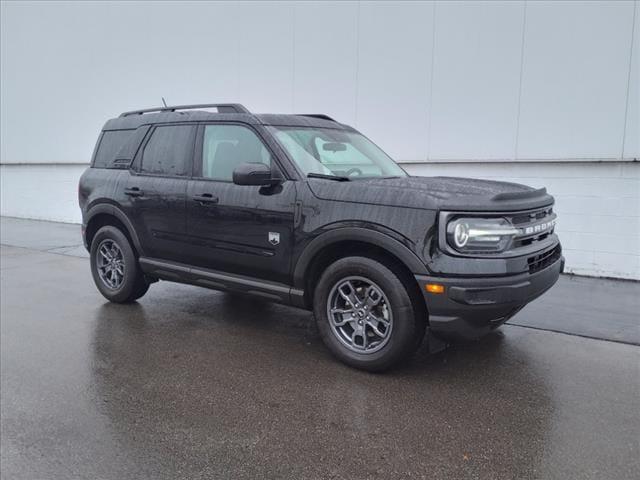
(332,252)
(366,236)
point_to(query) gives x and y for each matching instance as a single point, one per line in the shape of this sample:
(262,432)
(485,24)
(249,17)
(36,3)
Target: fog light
(434,288)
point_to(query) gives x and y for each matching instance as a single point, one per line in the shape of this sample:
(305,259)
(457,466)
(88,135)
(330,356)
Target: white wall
(597,204)
(41,191)
(545,91)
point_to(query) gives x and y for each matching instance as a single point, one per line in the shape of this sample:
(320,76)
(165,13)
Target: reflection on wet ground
(190,383)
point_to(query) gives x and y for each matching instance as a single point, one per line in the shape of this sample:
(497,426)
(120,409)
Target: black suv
(303,210)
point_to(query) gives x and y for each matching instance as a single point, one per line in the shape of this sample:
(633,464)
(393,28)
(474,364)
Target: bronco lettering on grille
(538,228)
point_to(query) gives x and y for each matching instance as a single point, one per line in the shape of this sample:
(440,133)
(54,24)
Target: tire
(127,284)
(399,325)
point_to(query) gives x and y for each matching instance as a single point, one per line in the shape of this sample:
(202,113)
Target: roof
(134,119)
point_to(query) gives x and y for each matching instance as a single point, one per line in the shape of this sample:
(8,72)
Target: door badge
(274,238)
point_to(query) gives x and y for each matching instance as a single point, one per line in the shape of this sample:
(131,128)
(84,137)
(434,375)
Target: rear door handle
(205,198)
(133,192)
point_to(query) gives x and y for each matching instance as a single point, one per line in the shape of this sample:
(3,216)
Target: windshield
(327,151)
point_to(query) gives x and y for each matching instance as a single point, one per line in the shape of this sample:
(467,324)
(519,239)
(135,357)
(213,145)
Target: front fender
(359,234)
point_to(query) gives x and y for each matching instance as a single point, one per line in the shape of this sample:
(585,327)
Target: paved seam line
(573,334)
(51,252)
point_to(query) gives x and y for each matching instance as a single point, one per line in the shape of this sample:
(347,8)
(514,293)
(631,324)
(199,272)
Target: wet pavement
(191,383)
(591,307)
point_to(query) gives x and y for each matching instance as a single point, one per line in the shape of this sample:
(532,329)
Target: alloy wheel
(110,264)
(359,314)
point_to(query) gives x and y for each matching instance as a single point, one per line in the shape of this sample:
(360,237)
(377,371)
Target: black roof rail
(222,108)
(317,115)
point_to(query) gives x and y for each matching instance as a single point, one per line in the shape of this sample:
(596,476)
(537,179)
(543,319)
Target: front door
(246,230)
(157,189)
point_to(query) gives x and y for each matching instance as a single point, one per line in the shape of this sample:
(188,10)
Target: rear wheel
(115,268)
(365,314)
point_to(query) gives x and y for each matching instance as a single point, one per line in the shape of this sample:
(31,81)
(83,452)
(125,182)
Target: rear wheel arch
(104,214)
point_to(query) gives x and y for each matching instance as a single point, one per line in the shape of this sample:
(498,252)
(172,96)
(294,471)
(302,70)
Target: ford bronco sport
(303,210)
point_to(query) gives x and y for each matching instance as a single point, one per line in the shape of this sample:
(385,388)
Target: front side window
(169,150)
(335,152)
(224,147)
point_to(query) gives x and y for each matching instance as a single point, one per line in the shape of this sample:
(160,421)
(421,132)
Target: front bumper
(471,307)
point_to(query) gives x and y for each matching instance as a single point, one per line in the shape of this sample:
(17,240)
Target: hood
(434,193)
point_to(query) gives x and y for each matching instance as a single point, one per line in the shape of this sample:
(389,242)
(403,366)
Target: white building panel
(395,47)
(632,132)
(46,69)
(574,79)
(326,59)
(575,76)
(264,32)
(476,80)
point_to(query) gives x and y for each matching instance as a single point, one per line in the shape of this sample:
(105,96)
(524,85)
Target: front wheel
(365,314)
(115,268)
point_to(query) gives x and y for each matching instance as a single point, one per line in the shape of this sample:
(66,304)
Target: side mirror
(254,174)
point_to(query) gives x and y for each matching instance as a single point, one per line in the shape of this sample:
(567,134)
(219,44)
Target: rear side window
(110,143)
(169,150)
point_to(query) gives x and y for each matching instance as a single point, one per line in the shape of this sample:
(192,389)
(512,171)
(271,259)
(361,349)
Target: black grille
(530,219)
(543,260)
(521,218)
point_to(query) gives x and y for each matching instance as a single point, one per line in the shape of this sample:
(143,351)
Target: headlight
(460,234)
(480,234)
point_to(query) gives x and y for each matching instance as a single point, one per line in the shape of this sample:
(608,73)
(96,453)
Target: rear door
(157,188)
(240,229)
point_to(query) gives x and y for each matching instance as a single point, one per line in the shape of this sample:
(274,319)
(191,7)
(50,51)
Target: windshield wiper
(336,178)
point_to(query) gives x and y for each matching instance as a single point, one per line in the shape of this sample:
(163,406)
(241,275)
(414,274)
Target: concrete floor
(190,383)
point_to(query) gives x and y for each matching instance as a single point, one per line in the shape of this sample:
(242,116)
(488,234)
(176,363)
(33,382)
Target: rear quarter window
(110,143)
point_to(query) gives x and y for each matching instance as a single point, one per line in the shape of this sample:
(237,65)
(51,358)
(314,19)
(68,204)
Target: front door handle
(133,192)
(205,198)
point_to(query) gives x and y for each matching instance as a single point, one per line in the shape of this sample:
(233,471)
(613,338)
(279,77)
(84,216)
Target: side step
(182,273)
